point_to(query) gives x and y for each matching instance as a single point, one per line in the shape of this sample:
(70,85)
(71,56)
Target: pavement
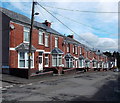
(10,80)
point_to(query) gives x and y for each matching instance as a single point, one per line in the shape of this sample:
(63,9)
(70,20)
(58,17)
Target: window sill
(47,46)
(25,42)
(25,67)
(46,66)
(41,44)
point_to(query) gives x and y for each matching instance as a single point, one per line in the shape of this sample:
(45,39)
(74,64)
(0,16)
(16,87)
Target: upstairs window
(46,40)
(68,48)
(80,50)
(73,49)
(40,37)
(76,50)
(56,42)
(26,34)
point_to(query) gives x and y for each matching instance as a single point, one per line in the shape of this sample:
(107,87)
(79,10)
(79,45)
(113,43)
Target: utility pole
(30,41)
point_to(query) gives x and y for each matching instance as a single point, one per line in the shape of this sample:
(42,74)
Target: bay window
(69,62)
(56,60)
(81,63)
(23,60)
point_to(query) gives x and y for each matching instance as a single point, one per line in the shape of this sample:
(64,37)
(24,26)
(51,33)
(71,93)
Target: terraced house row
(50,49)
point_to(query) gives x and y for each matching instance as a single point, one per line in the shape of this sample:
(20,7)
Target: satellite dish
(12,26)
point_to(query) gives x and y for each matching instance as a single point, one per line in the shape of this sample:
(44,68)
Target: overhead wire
(80,10)
(82,23)
(43,16)
(64,24)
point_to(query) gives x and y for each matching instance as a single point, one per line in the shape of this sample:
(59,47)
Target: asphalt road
(95,86)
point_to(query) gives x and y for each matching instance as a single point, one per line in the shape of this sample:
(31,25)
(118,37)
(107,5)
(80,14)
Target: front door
(40,61)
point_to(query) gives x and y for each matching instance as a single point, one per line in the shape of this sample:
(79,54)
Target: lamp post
(30,39)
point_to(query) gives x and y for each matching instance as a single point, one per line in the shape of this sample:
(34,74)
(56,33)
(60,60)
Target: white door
(40,62)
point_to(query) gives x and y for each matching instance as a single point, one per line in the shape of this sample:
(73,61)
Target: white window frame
(73,49)
(80,50)
(26,59)
(82,62)
(57,57)
(69,61)
(28,31)
(86,54)
(56,42)
(68,48)
(76,50)
(47,57)
(40,36)
(87,64)
(94,64)
(46,42)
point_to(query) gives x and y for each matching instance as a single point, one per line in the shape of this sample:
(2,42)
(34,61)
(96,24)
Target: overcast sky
(100,30)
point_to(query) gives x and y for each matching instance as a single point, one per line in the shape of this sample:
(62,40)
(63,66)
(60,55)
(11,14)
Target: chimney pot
(48,24)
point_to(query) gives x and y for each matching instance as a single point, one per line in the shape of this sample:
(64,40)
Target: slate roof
(81,57)
(94,60)
(68,55)
(87,60)
(24,47)
(57,51)
(98,53)
(23,19)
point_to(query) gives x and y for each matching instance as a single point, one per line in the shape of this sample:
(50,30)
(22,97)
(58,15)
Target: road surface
(90,86)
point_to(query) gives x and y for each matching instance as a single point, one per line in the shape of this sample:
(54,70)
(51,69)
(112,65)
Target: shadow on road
(109,92)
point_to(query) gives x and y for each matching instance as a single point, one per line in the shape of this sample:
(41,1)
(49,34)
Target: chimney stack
(70,36)
(48,24)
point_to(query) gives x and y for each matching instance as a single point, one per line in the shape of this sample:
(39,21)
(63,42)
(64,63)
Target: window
(81,63)
(23,60)
(76,50)
(56,42)
(87,64)
(80,50)
(46,40)
(69,62)
(86,54)
(26,34)
(68,48)
(56,60)
(46,61)
(60,59)
(73,49)
(94,64)
(40,37)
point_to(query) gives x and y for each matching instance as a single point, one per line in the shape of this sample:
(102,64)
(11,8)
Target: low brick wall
(44,74)
(69,71)
(5,70)
(19,72)
(54,69)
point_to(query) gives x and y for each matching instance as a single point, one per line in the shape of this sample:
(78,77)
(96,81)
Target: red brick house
(50,49)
